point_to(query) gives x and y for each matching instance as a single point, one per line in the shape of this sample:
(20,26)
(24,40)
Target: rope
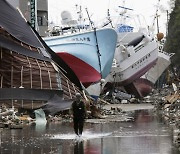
(98,53)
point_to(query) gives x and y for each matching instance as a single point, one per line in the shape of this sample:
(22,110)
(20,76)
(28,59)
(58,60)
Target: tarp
(124,28)
(53,105)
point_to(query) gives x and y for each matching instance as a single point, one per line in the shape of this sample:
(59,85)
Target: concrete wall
(42,5)
(42,12)
(24,6)
(43,23)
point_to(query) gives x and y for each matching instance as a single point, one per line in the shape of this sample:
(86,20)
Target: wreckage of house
(30,73)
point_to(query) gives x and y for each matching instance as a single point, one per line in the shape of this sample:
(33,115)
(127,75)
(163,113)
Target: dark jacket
(79,110)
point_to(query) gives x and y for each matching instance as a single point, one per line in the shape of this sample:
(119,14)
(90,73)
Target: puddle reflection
(79,148)
(86,147)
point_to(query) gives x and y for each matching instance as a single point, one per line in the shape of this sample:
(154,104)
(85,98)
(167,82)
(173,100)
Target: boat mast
(79,12)
(90,21)
(123,14)
(109,18)
(156,17)
(157,21)
(167,12)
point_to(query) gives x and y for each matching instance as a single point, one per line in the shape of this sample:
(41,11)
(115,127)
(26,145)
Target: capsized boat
(144,85)
(135,59)
(89,53)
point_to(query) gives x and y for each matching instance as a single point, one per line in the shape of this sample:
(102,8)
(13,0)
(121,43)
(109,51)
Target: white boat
(144,85)
(134,60)
(135,54)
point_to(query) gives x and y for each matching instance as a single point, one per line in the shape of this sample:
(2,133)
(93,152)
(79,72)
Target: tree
(173,37)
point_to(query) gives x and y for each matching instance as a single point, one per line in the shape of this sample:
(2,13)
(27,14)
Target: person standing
(79,114)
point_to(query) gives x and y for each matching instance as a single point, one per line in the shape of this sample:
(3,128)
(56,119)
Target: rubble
(10,118)
(167,102)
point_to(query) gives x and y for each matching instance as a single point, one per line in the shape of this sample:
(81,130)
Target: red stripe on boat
(86,73)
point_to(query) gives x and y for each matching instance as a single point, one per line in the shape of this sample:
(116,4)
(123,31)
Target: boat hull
(89,54)
(139,88)
(144,85)
(87,74)
(162,63)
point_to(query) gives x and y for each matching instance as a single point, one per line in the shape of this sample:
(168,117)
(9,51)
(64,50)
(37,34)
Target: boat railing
(166,53)
(161,48)
(171,54)
(57,30)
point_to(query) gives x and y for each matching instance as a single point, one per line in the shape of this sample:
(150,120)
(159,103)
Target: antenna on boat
(79,13)
(157,20)
(123,13)
(109,18)
(156,17)
(90,21)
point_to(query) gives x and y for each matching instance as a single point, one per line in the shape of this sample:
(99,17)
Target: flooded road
(146,134)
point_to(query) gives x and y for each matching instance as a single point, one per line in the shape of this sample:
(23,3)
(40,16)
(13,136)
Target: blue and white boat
(90,53)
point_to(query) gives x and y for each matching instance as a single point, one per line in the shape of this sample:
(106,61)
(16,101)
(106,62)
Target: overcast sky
(98,9)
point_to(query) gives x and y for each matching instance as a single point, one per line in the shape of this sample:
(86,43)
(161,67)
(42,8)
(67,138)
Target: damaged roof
(29,69)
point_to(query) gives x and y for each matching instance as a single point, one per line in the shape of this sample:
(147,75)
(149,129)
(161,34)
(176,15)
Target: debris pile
(167,101)
(8,118)
(11,118)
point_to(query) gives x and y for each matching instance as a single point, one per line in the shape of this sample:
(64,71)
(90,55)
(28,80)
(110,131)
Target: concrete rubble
(10,118)
(167,103)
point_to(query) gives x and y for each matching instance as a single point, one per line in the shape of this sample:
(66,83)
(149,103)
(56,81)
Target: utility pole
(167,22)
(157,22)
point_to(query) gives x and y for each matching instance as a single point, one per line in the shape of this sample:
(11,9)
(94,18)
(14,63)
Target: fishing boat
(89,53)
(135,59)
(142,86)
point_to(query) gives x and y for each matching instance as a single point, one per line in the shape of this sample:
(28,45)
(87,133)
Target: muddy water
(145,135)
